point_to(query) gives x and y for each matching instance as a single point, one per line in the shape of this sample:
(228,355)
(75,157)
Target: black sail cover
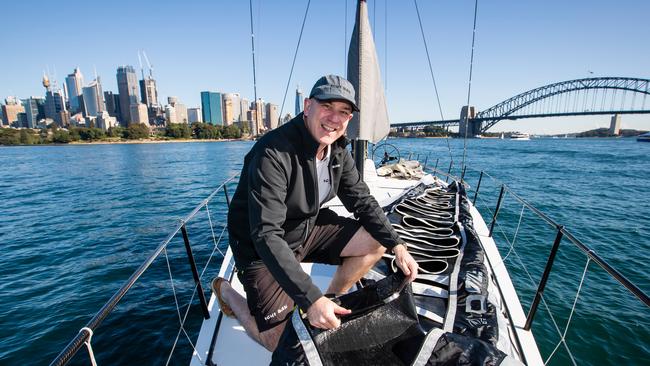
(383,329)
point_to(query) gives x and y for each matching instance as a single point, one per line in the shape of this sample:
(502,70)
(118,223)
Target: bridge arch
(509,108)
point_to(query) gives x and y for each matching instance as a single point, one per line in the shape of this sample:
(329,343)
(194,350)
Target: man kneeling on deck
(275,220)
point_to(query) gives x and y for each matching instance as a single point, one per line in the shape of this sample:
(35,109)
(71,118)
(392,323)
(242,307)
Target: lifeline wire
(178,311)
(469,86)
(295,55)
(568,322)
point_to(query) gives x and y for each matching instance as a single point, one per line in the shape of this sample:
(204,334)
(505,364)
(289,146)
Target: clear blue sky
(205,45)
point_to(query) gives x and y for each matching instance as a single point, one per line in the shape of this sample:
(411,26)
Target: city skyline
(518,47)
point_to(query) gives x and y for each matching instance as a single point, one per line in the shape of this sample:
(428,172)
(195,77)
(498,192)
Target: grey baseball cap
(334,87)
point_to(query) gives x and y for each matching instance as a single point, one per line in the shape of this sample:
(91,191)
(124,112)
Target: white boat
(644,137)
(469,296)
(520,136)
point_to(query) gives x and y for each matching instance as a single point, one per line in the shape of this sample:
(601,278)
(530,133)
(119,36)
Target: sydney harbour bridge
(590,96)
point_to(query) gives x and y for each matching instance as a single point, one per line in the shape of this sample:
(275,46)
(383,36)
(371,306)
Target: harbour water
(76,221)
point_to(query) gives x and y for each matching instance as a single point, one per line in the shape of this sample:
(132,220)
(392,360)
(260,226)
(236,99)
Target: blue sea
(76,221)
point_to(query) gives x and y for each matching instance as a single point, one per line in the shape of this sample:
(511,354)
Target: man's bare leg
(269,338)
(359,255)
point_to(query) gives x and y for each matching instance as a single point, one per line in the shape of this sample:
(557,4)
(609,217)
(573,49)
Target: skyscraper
(228,109)
(299,100)
(258,125)
(54,104)
(74,83)
(127,85)
(10,111)
(93,98)
(139,114)
(194,115)
(148,92)
(34,110)
(245,107)
(271,116)
(211,107)
(112,103)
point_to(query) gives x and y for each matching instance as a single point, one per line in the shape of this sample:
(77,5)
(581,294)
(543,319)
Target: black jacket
(276,203)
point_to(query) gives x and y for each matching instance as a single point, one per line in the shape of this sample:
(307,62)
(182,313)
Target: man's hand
(322,314)
(405,262)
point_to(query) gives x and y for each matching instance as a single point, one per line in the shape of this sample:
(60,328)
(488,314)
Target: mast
(371,124)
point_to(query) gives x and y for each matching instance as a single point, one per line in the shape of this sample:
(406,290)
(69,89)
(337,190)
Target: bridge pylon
(467,126)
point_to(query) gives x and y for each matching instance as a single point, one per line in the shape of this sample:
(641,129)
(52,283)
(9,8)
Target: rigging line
(345,38)
(469,86)
(250,6)
(386,46)
(295,55)
(435,87)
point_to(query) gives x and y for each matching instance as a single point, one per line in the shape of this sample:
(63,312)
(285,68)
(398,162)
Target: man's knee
(270,338)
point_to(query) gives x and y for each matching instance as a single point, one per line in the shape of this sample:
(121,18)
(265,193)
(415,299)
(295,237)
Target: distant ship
(644,137)
(520,136)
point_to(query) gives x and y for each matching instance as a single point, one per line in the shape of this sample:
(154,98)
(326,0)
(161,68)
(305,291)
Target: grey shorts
(267,302)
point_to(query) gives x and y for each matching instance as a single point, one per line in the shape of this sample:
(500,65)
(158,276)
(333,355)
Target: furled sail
(371,123)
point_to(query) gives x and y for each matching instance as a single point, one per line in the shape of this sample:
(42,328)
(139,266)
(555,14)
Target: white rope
(566,328)
(91,354)
(514,238)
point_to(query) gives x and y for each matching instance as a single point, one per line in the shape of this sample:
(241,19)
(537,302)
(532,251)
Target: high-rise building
(228,109)
(258,108)
(148,92)
(299,100)
(170,114)
(127,85)
(211,107)
(139,114)
(105,121)
(181,113)
(93,97)
(194,115)
(177,112)
(272,116)
(112,103)
(54,104)
(74,83)
(34,108)
(245,107)
(10,111)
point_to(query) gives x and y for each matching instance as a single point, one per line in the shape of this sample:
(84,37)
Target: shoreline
(126,142)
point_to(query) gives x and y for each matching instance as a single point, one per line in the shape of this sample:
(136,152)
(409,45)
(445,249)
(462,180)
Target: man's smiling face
(327,120)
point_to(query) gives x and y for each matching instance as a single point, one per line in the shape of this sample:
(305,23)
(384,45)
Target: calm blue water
(76,221)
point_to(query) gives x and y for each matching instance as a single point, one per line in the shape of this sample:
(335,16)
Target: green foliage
(90,133)
(74,134)
(9,136)
(136,131)
(231,132)
(178,131)
(27,137)
(435,131)
(115,131)
(61,137)
(205,131)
